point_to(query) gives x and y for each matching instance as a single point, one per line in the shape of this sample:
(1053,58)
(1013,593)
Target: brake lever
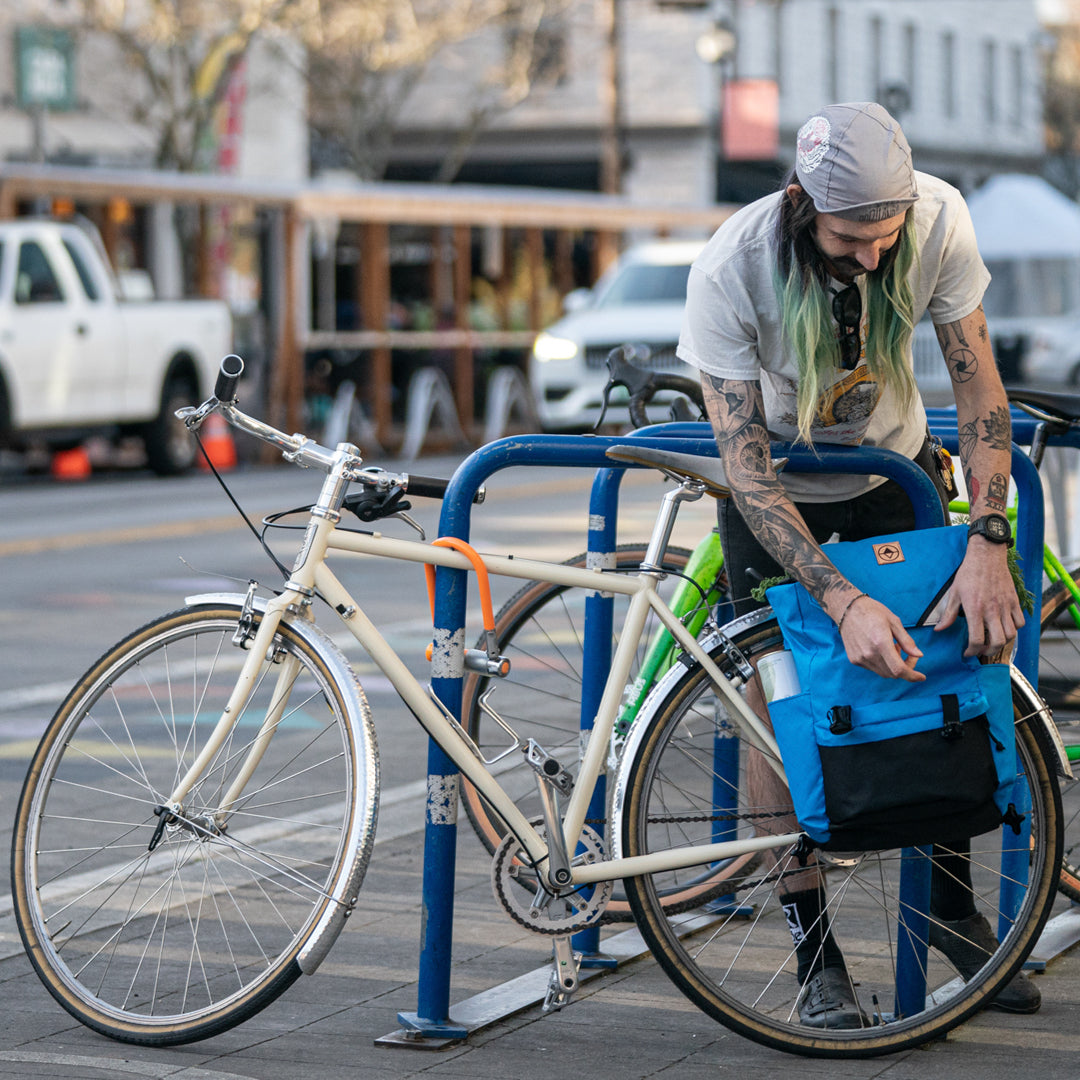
(623,372)
(371,505)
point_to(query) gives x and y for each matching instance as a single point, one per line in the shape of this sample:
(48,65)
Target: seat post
(687,491)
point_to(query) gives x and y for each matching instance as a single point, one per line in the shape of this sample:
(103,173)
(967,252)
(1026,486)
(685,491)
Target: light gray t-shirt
(732,329)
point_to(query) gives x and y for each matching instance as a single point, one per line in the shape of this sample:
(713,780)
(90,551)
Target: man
(799,316)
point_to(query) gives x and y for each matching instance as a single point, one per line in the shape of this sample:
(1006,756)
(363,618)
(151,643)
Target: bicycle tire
(540,628)
(1059,686)
(740,967)
(169,944)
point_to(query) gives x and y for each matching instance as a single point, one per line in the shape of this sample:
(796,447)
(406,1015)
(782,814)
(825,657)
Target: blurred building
(68,96)
(709,96)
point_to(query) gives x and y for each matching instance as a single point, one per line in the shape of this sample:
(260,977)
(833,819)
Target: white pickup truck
(76,359)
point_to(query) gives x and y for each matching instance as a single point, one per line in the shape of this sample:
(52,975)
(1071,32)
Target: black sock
(808,921)
(951,894)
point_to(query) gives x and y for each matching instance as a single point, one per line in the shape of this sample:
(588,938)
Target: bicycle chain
(687,819)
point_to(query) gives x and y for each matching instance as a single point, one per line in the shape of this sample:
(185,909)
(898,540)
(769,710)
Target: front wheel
(161,929)
(690,780)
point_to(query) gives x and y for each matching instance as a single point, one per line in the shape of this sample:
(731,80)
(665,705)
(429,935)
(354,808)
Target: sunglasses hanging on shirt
(847,311)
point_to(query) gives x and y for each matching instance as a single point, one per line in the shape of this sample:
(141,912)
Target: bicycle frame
(310,573)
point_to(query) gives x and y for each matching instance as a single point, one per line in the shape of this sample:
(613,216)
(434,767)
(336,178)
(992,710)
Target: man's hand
(984,589)
(876,639)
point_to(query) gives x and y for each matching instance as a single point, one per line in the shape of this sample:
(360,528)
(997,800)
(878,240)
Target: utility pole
(612,134)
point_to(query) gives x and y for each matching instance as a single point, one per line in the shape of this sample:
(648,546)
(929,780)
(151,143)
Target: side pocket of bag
(794,730)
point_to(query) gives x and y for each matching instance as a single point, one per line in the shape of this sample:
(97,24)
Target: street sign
(45,68)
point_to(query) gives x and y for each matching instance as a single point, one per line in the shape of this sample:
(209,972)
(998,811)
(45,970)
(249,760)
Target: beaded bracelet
(843,616)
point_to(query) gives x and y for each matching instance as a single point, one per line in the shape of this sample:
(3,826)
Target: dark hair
(795,235)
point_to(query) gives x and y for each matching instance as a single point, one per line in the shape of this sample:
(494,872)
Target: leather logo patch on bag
(889,552)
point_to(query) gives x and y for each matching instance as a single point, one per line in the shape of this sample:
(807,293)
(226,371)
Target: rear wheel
(687,783)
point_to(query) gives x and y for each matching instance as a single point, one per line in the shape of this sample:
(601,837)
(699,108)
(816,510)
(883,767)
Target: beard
(846,267)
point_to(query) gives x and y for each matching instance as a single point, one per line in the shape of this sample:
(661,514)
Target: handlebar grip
(232,367)
(427,487)
(432,487)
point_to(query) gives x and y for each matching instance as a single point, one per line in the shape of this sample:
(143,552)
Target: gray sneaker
(828,1001)
(967,943)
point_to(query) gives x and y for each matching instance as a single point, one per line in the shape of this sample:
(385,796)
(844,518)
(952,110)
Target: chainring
(518,888)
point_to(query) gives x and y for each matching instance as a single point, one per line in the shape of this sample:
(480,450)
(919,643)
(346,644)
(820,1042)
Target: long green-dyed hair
(806,315)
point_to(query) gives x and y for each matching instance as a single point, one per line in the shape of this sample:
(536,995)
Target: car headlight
(549,347)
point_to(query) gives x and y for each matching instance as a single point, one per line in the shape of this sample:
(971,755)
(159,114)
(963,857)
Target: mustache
(848,265)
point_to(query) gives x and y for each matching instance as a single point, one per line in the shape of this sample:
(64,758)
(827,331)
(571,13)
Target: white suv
(640,300)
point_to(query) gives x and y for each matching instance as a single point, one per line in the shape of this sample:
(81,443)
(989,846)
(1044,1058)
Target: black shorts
(885,509)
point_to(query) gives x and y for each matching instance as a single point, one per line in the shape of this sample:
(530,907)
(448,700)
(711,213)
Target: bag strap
(951,729)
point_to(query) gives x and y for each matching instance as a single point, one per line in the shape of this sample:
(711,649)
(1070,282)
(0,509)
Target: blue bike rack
(432,1021)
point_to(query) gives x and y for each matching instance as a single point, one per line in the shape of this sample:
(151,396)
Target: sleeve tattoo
(743,441)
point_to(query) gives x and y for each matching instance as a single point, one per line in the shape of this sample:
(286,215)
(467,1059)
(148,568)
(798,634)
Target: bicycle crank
(522,891)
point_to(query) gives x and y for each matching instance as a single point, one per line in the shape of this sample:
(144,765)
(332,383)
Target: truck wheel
(170,447)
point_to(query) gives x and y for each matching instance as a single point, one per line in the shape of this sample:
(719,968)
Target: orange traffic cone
(218,443)
(71,464)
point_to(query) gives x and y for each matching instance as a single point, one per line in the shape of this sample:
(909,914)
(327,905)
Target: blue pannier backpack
(876,763)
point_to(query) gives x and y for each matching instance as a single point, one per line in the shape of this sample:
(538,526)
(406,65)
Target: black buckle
(839,719)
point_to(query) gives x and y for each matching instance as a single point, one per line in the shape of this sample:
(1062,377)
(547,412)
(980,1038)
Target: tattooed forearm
(781,532)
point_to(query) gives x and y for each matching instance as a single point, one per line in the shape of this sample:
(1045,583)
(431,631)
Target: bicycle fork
(261,648)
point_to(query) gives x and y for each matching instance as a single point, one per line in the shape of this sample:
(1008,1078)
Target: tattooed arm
(873,636)
(983,587)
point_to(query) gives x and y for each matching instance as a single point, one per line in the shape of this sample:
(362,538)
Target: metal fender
(345,888)
(1038,714)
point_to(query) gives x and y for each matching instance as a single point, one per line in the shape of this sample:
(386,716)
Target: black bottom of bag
(889,794)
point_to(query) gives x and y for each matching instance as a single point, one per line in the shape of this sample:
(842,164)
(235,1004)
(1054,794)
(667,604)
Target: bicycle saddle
(707,470)
(1062,405)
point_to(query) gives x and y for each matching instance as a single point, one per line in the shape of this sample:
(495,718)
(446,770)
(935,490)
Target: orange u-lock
(486,611)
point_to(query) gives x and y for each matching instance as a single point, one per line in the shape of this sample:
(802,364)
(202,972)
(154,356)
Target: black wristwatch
(995,527)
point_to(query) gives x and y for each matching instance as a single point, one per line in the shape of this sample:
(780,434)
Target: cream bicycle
(196,822)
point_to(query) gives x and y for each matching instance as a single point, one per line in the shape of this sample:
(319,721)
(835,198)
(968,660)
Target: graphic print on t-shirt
(845,408)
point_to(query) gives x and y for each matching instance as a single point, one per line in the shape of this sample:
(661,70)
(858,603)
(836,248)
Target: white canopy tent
(1029,237)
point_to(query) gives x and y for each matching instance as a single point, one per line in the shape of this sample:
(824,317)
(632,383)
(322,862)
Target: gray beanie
(853,161)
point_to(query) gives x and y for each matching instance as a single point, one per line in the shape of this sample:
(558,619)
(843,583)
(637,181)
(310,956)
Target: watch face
(995,527)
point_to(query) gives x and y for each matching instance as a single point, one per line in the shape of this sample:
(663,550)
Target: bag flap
(906,571)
